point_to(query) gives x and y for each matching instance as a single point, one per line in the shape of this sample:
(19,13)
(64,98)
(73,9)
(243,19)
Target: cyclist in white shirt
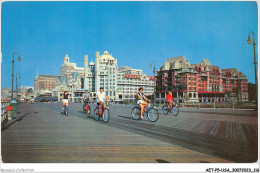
(101,96)
(141,101)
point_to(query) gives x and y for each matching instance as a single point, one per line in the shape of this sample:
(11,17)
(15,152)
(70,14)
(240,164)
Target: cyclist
(141,101)
(86,98)
(65,100)
(101,96)
(169,99)
(32,101)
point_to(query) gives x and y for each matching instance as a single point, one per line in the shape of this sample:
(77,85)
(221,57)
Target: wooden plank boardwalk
(237,142)
(234,137)
(46,136)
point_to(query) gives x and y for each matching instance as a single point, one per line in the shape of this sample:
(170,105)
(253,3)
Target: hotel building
(67,68)
(106,74)
(129,80)
(119,84)
(202,82)
(45,82)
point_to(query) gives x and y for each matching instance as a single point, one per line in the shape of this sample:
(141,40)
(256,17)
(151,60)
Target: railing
(211,104)
(4,117)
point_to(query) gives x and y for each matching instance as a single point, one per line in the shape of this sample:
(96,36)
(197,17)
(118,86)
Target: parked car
(44,100)
(38,99)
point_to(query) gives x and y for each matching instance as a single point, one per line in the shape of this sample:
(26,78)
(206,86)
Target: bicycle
(87,108)
(66,111)
(151,112)
(175,109)
(105,115)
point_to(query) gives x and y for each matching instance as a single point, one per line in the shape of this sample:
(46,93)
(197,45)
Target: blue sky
(136,33)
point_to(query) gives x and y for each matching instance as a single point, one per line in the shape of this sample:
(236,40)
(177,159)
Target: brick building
(45,82)
(252,92)
(202,82)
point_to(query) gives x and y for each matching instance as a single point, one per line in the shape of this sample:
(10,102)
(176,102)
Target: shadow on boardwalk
(233,141)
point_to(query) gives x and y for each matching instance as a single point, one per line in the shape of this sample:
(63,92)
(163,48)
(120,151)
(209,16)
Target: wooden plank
(206,129)
(234,131)
(222,129)
(241,132)
(227,129)
(255,128)
(177,122)
(214,128)
(189,124)
(195,123)
(199,126)
(230,132)
(248,133)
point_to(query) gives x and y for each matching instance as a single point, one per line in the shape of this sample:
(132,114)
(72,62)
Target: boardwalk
(43,135)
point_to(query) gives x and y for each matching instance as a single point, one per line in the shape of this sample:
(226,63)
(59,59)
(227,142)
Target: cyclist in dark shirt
(65,99)
(86,98)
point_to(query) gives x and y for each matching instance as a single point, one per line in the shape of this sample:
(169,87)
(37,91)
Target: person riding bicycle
(101,96)
(65,100)
(86,98)
(141,101)
(32,100)
(169,99)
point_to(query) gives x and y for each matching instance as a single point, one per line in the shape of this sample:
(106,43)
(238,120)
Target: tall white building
(106,74)
(67,68)
(119,84)
(89,74)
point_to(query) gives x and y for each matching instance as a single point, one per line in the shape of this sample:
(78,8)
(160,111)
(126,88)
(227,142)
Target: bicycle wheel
(165,109)
(96,114)
(89,109)
(136,113)
(106,115)
(67,110)
(175,110)
(84,110)
(153,114)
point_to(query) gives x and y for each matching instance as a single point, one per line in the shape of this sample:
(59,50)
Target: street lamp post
(256,83)
(154,82)
(72,93)
(17,85)
(19,59)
